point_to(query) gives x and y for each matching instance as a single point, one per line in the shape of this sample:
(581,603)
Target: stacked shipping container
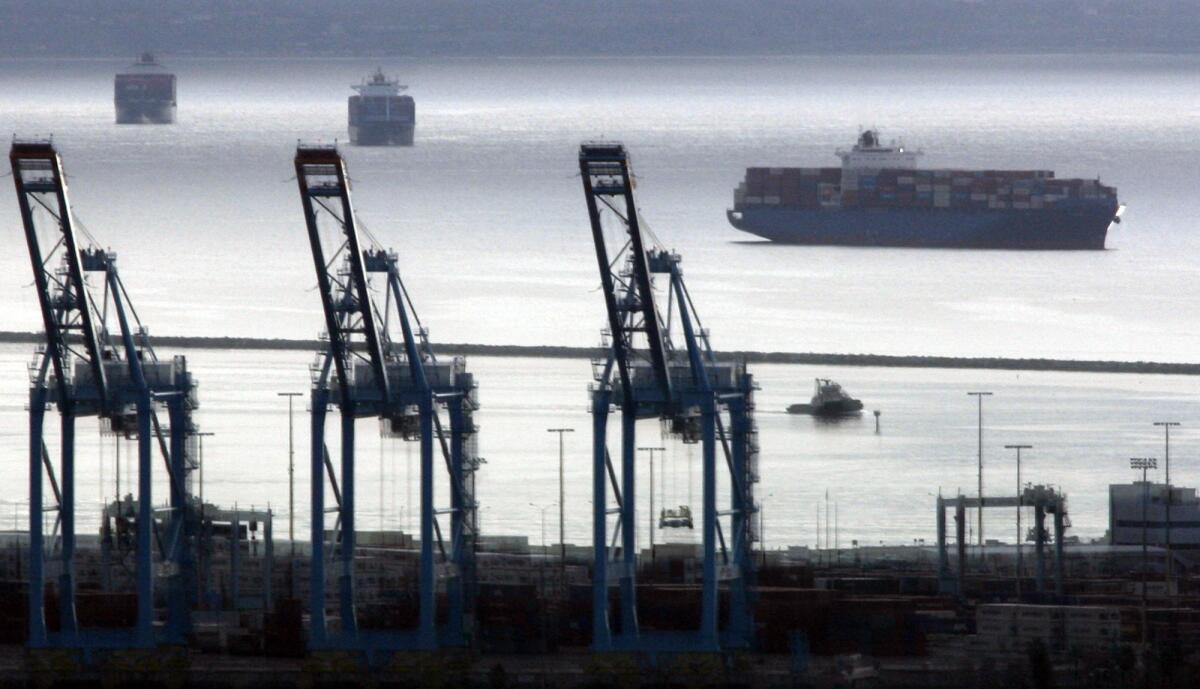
(831,187)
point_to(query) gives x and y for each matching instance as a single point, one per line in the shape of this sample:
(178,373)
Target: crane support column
(1059,563)
(316,603)
(37,546)
(709,612)
(347,544)
(601,629)
(428,612)
(66,596)
(1039,525)
(628,524)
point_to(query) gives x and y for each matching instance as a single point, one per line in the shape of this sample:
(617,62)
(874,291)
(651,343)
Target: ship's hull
(1081,225)
(843,407)
(145,112)
(382,134)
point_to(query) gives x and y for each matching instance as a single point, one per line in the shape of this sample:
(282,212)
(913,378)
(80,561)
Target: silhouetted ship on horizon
(380,115)
(145,94)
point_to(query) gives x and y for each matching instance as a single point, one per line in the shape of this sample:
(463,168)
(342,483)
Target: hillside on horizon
(462,28)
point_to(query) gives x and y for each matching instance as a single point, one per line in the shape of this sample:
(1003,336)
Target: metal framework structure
(365,373)
(1043,499)
(85,369)
(699,399)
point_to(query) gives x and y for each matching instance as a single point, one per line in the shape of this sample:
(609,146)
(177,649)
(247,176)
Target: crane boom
(342,277)
(57,270)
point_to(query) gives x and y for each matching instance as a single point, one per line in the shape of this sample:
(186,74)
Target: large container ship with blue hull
(879,197)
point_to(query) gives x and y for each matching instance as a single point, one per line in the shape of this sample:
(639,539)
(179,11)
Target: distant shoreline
(825,359)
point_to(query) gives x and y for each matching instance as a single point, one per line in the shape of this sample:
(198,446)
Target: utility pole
(291,471)
(979,396)
(542,509)
(562,499)
(1166,426)
(652,450)
(1145,464)
(1018,448)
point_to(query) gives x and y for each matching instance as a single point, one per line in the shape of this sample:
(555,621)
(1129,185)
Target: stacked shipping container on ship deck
(878,197)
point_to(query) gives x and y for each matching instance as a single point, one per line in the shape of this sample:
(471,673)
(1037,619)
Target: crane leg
(601,631)
(428,620)
(145,528)
(317,631)
(347,547)
(66,586)
(37,548)
(629,620)
(708,606)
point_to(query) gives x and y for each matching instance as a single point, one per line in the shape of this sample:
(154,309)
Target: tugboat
(379,115)
(830,400)
(145,94)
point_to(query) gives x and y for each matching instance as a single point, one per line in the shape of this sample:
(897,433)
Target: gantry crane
(406,387)
(699,399)
(85,369)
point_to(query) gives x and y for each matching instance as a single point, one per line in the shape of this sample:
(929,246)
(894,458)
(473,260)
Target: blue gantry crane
(365,373)
(84,368)
(698,397)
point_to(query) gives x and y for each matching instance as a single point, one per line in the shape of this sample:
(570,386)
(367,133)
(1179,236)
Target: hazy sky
(584,27)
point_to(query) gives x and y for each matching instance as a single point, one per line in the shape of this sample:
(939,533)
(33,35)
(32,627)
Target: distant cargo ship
(145,94)
(878,197)
(379,115)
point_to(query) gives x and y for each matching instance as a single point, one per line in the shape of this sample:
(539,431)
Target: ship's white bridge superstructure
(869,154)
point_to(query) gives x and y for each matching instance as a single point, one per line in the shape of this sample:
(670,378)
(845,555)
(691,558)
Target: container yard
(178,591)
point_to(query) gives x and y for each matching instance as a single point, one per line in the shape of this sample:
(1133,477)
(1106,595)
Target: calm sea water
(487,215)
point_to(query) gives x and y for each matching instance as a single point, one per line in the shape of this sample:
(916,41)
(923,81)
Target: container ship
(879,197)
(379,115)
(145,94)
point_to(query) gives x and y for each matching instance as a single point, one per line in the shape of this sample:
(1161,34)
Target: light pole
(1018,448)
(979,396)
(542,510)
(1166,426)
(562,498)
(652,450)
(1145,464)
(291,471)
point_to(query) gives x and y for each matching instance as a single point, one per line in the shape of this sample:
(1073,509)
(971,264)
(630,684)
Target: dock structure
(1043,499)
(447,606)
(366,373)
(699,399)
